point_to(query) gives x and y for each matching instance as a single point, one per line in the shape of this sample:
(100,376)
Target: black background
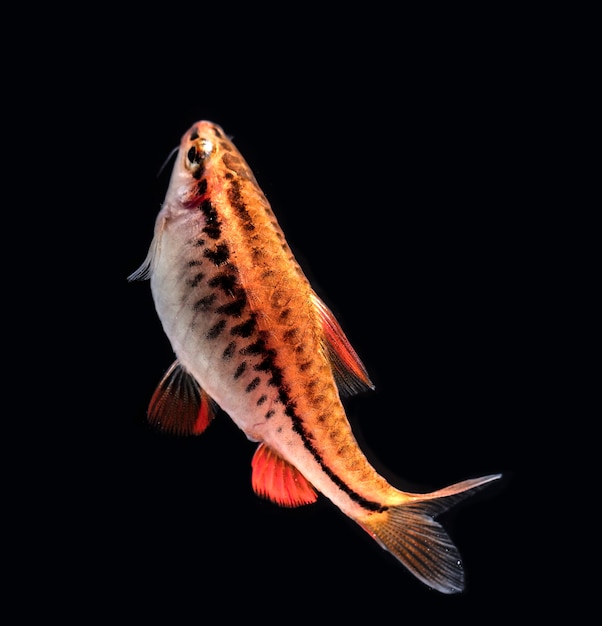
(400,167)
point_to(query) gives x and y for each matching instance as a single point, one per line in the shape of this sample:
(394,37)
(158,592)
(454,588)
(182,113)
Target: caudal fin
(410,532)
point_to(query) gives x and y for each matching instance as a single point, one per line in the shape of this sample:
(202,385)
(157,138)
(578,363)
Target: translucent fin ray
(410,532)
(279,481)
(146,269)
(179,405)
(349,371)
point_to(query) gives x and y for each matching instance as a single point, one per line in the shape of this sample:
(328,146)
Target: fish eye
(198,153)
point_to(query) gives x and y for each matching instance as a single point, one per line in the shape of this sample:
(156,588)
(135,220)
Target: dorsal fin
(179,405)
(349,372)
(279,481)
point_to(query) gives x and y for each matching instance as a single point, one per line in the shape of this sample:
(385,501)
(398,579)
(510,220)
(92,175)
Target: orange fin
(179,405)
(279,481)
(409,531)
(349,371)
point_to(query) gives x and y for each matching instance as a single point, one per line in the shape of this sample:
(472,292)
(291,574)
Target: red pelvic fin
(179,405)
(279,481)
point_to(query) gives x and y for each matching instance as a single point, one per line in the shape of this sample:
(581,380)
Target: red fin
(349,371)
(179,405)
(278,480)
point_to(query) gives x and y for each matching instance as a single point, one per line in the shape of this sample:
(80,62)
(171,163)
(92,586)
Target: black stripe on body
(257,347)
(213,231)
(235,308)
(219,255)
(268,365)
(226,281)
(299,428)
(213,225)
(246,328)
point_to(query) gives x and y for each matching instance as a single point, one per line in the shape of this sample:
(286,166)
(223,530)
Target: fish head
(197,151)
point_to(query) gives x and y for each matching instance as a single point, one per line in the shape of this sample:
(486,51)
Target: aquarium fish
(252,337)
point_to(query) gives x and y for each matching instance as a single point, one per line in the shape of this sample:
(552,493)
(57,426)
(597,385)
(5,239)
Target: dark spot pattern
(208,210)
(246,328)
(204,304)
(196,280)
(269,365)
(277,380)
(229,351)
(226,281)
(213,231)
(213,225)
(216,330)
(257,347)
(289,335)
(235,308)
(237,202)
(219,255)
(240,370)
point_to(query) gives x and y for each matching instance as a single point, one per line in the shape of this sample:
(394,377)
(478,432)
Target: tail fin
(411,534)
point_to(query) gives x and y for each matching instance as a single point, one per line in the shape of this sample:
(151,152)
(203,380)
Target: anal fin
(279,481)
(179,405)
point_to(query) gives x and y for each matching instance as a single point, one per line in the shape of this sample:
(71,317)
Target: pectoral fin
(179,405)
(350,374)
(279,481)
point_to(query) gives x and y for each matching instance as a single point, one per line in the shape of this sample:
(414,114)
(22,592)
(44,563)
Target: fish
(252,338)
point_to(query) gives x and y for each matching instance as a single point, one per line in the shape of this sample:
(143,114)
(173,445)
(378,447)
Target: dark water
(404,196)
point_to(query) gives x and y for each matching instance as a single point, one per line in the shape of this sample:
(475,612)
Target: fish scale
(251,336)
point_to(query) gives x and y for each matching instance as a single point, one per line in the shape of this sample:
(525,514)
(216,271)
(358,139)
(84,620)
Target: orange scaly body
(251,336)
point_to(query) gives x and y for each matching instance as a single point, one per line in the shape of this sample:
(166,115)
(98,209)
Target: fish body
(253,338)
